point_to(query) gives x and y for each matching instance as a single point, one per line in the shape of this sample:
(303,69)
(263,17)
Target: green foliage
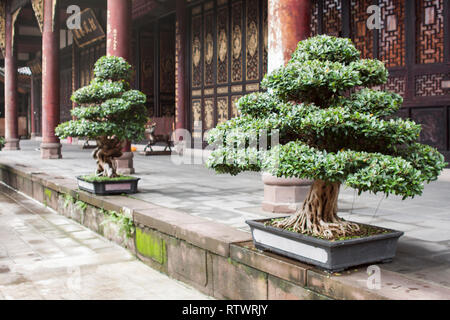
(126,224)
(340,132)
(2,142)
(48,193)
(68,199)
(93,177)
(325,48)
(112,68)
(81,205)
(107,108)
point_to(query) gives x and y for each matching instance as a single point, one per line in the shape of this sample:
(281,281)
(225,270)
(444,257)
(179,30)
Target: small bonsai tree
(108,112)
(332,129)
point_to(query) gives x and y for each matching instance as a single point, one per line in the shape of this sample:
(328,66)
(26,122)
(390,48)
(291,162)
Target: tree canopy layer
(331,125)
(108,111)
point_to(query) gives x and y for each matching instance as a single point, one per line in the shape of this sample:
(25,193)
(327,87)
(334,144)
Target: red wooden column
(289,22)
(180,65)
(50,146)
(32,107)
(11,98)
(118,44)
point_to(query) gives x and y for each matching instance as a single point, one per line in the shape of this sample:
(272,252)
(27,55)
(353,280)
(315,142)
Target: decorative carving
(234,109)
(209,113)
(196,51)
(196,118)
(361,35)
(314,24)
(38,8)
(236,63)
(430,31)
(237,42)
(209,48)
(223,47)
(429,85)
(392,40)
(252,61)
(222,109)
(332,19)
(395,84)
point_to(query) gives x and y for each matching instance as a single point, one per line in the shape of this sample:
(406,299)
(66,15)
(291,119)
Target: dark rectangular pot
(108,187)
(333,256)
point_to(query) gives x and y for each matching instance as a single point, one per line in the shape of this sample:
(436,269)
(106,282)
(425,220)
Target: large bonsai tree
(108,111)
(332,129)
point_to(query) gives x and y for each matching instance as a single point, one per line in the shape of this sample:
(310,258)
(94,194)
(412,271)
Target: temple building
(195,59)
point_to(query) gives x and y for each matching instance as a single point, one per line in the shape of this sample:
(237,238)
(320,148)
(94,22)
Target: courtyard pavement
(47,256)
(423,252)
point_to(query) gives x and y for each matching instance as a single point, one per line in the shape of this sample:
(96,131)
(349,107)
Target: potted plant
(336,131)
(110,113)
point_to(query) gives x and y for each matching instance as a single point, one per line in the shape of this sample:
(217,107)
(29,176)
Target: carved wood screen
(65,78)
(87,58)
(156,65)
(228,57)
(413,42)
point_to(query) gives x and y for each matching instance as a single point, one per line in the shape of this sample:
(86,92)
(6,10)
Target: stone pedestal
(282,195)
(125,163)
(12,145)
(50,151)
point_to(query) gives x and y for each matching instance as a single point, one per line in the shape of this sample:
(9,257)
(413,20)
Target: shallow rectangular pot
(109,187)
(332,256)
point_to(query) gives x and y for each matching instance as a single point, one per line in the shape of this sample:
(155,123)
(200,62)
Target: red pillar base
(51,151)
(12,145)
(124,164)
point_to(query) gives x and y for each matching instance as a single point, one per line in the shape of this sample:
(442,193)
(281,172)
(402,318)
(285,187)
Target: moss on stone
(151,246)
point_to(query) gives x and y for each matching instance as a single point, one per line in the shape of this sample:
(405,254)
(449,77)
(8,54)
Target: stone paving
(46,256)
(423,252)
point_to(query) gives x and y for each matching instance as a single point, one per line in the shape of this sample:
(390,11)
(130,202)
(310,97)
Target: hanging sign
(89,30)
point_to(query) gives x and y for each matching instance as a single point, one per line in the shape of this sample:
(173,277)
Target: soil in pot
(363,232)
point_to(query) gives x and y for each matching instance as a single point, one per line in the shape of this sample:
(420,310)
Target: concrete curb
(214,258)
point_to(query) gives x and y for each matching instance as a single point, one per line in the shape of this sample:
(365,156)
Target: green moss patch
(151,246)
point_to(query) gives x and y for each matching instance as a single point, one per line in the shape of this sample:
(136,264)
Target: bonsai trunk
(318,215)
(107,149)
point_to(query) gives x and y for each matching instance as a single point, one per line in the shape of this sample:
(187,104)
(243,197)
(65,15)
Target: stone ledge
(208,235)
(214,256)
(281,267)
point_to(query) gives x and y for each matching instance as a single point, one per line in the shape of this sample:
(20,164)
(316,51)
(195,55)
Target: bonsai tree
(108,111)
(332,129)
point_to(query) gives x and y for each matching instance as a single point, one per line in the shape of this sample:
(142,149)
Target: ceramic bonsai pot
(127,186)
(333,256)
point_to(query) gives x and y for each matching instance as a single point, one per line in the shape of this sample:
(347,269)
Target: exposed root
(107,149)
(318,215)
(303,222)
